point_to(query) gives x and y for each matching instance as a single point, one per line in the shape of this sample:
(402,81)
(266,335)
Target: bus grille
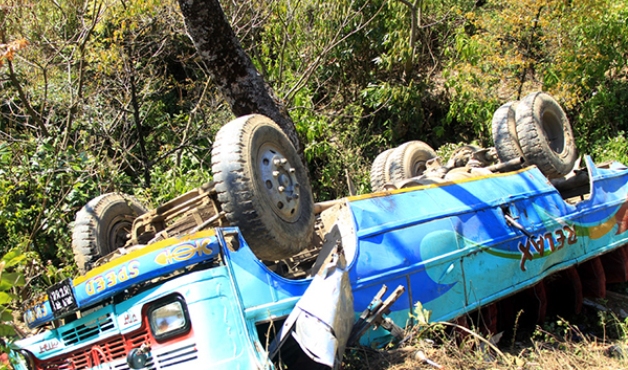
(115,350)
(88,330)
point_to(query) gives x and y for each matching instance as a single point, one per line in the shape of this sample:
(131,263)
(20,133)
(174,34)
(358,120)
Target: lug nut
(275,173)
(281,189)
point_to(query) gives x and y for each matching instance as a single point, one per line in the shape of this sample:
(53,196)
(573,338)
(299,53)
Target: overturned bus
(248,272)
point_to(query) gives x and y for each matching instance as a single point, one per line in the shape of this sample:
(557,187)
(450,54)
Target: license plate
(61,298)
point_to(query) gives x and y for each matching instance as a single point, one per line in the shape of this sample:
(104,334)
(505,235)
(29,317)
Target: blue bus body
(451,246)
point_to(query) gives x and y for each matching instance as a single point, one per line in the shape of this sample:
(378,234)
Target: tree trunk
(230,67)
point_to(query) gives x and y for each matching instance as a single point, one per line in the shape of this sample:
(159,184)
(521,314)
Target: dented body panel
(457,252)
(454,247)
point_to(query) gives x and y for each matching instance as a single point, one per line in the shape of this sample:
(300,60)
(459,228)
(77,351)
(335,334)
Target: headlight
(169,317)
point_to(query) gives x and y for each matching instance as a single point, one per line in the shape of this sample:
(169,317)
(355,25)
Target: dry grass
(469,354)
(592,356)
(602,343)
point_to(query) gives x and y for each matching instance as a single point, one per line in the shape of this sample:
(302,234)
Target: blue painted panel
(256,284)
(138,266)
(215,313)
(497,259)
(426,255)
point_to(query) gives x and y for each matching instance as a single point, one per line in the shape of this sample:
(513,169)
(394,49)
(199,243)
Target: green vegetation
(101,96)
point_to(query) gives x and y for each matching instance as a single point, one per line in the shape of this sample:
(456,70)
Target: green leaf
(11,279)
(422,315)
(13,258)
(6,330)
(5,298)
(6,315)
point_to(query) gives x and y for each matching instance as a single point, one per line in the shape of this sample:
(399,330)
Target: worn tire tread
(379,174)
(269,237)
(504,130)
(534,141)
(86,239)
(399,167)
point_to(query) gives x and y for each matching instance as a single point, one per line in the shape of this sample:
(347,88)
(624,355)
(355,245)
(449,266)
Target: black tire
(379,173)
(102,226)
(409,160)
(263,187)
(545,135)
(504,128)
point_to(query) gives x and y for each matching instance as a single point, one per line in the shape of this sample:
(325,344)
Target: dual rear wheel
(535,129)
(404,162)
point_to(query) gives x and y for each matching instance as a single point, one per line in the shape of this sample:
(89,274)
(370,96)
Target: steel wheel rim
(279,181)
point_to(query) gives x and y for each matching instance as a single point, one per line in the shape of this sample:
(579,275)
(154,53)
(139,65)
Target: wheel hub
(418,168)
(119,233)
(280,182)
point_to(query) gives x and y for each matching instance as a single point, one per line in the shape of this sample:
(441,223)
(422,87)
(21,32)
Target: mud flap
(322,319)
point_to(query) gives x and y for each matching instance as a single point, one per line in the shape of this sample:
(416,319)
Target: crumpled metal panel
(322,319)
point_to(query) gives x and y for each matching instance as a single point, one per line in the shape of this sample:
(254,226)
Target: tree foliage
(572,50)
(105,95)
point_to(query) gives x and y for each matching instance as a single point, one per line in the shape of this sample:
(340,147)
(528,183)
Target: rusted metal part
(615,266)
(573,277)
(485,320)
(564,293)
(559,294)
(538,296)
(506,315)
(373,315)
(179,216)
(525,308)
(461,322)
(593,278)
(489,318)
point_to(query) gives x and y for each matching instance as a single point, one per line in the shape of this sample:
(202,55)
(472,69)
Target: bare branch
(29,108)
(337,40)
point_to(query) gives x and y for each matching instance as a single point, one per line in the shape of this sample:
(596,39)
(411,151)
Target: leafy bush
(506,50)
